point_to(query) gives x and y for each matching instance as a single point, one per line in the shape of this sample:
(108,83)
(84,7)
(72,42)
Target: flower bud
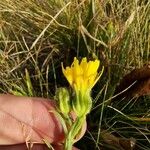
(63,98)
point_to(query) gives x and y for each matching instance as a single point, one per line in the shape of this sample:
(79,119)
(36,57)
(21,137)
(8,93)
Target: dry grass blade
(53,19)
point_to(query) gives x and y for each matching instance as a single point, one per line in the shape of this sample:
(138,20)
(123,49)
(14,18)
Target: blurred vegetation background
(37,35)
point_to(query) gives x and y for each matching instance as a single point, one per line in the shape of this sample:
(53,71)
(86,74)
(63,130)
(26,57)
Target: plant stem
(73,132)
(68,143)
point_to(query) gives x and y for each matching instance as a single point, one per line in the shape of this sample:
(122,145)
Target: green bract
(63,98)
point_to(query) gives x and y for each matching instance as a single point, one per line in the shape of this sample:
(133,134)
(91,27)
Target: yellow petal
(92,67)
(68,74)
(84,64)
(76,68)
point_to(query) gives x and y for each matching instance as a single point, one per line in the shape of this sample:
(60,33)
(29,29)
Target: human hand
(26,119)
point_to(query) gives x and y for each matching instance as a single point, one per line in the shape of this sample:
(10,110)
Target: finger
(23,146)
(23,118)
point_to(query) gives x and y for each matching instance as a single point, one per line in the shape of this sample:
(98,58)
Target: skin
(23,146)
(26,120)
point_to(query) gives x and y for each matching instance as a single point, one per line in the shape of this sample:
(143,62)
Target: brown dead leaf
(141,87)
(118,143)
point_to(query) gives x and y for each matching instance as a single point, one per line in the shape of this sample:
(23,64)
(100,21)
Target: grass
(36,36)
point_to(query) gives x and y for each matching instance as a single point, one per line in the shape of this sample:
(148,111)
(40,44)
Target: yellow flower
(82,76)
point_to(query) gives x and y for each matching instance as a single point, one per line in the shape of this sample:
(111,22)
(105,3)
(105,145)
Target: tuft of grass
(36,36)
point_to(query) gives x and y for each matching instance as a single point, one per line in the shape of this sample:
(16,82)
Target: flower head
(82,77)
